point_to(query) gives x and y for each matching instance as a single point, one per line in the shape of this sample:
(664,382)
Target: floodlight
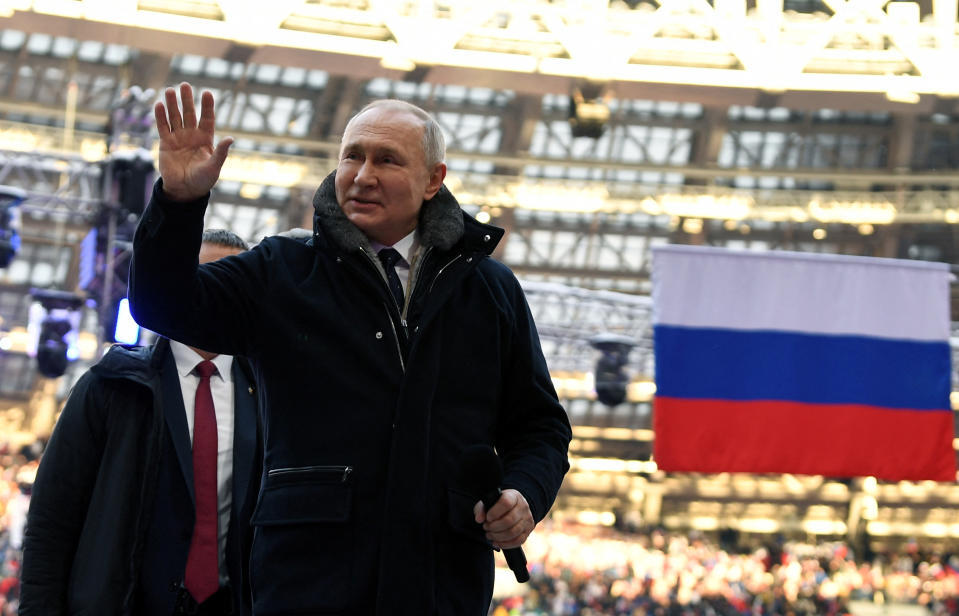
(611,378)
(588,111)
(54,318)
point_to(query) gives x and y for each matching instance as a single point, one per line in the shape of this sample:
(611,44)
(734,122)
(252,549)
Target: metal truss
(59,188)
(68,188)
(553,233)
(655,158)
(567,317)
(289,110)
(901,49)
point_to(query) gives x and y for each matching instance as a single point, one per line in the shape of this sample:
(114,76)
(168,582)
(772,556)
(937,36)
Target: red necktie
(202,576)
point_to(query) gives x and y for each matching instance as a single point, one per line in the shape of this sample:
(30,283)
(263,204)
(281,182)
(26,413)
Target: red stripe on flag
(768,436)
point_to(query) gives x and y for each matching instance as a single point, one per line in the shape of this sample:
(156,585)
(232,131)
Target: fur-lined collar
(440,224)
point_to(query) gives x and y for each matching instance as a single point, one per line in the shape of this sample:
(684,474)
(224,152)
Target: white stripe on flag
(695,286)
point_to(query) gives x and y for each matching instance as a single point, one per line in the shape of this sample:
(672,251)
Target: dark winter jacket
(367,410)
(111,514)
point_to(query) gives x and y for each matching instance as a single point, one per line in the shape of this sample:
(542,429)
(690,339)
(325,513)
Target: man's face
(382,178)
(212,252)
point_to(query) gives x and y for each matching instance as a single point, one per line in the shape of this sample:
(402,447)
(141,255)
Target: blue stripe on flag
(818,369)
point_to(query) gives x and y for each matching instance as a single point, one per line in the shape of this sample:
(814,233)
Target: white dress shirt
(221,386)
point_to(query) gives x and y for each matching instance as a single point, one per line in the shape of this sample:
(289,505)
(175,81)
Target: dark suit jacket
(112,513)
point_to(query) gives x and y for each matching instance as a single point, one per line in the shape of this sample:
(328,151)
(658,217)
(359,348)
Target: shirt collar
(186,360)
(405,246)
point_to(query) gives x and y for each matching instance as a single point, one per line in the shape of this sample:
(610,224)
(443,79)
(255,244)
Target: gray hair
(222,237)
(434,145)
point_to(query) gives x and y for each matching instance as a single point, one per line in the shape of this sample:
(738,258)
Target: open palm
(189,162)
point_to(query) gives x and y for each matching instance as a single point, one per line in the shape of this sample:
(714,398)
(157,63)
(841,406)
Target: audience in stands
(18,467)
(582,571)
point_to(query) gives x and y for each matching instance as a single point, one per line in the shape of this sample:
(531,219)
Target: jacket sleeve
(533,432)
(211,306)
(59,501)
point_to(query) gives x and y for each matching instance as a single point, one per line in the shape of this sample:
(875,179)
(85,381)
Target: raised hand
(189,163)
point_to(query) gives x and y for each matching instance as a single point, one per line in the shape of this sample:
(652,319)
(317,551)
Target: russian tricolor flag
(801,363)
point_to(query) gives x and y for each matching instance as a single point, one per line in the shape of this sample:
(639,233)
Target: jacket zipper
(432,284)
(389,317)
(443,269)
(401,309)
(346,470)
(413,282)
(396,338)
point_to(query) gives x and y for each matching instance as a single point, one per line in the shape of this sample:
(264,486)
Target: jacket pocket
(303,541)
(305,494)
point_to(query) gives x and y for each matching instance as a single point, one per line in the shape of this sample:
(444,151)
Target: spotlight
(10,198)
(588,111)
(52,346)
(131,175)
(610,376)
(54,318)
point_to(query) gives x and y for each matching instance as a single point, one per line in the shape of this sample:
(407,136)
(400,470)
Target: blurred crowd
(18,467)
(590,571)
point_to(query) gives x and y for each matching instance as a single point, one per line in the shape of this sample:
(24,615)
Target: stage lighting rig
(611,378)
(128,180)
(128,174)
(53,323)
(130,124)
(128,168)
(588,111)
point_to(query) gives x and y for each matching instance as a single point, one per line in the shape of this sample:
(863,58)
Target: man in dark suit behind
(120,522)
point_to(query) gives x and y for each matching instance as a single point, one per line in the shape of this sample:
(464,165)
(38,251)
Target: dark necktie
(202,577)
(389,257)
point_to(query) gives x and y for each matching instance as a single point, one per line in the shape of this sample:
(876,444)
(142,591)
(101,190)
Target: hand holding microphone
(481,474)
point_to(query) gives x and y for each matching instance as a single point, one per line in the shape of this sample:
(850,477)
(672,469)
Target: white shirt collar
(186,360)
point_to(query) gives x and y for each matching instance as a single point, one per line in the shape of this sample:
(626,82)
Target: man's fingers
(189,108)
(506,503)
(511,537)
(510,532)
(221,151)
(207,113)
(478,513)
(509,522)
(175,122)
(163,125)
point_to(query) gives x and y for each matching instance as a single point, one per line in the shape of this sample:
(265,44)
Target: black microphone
(480,474)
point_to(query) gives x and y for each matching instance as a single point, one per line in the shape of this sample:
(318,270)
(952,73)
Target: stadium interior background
(591,130)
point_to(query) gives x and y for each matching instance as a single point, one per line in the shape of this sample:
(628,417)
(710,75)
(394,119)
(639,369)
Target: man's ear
(436,180)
